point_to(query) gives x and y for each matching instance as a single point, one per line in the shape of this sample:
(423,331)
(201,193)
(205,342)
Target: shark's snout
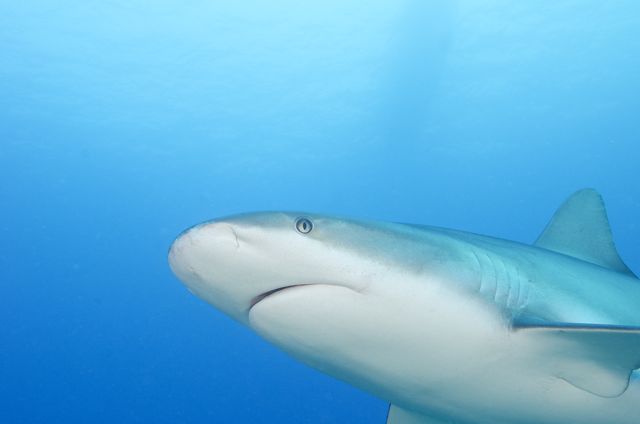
(209,261)
(194,248)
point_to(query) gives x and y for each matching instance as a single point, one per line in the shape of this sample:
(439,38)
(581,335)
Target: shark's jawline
(266,294)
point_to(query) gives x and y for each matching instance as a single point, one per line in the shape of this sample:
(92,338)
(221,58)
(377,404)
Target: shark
(447,326)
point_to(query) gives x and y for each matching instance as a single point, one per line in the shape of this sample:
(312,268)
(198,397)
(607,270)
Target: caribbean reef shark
(447,326)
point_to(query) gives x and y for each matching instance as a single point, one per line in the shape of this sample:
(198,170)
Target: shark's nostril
(220,234)
(235,235)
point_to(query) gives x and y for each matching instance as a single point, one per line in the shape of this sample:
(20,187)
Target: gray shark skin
(448,326)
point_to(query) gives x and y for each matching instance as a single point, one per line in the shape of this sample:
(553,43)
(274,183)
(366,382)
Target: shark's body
(448,326)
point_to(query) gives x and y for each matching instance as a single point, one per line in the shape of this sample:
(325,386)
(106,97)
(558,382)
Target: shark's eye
(304,225)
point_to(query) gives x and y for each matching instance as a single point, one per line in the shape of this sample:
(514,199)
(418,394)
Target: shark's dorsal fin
(598,359)
(580,228)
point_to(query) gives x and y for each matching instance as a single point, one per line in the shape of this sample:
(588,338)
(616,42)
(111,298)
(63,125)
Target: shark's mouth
(259,298)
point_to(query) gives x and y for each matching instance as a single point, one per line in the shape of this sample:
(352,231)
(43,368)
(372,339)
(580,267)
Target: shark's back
(572,273)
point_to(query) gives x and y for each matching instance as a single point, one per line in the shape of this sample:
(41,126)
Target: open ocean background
(124,122)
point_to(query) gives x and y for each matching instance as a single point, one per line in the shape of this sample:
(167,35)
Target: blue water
(123,122)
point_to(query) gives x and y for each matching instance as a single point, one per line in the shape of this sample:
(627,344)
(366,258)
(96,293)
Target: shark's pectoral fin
(596,358)
(398,415)
(580,228)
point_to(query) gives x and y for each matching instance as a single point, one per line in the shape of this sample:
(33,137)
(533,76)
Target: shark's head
(338,294)
(241,263)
